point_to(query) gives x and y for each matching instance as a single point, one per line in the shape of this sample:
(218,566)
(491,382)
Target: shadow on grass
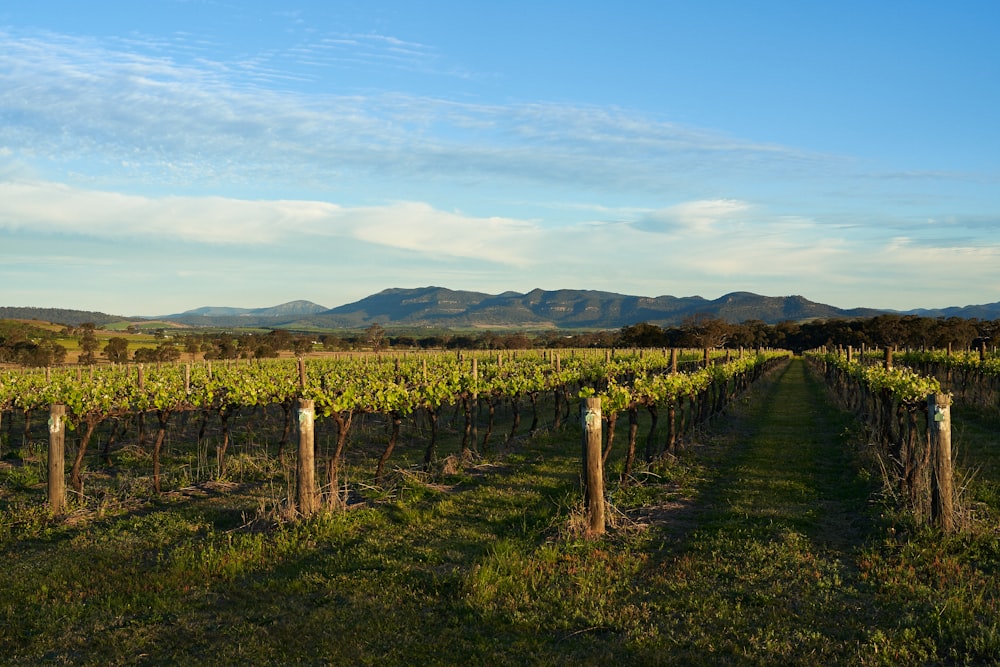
(763,563)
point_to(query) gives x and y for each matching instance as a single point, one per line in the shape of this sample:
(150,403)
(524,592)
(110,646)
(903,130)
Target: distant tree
(642,335)
(58,351)
(958,332)
(302,346)
(375,336)
(465,343)
(246,346)
(785,334)
(517,341)
(432,342)
(265,351)
(166,351)
(116,350)
(749,334)
(886,330)
(44,353)
(88,344)
(491,341)
(920,331)
(331,342)
(989,330)
(700,331)
(403,342)
(280,339)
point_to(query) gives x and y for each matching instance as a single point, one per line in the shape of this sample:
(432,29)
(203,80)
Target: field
(768,539)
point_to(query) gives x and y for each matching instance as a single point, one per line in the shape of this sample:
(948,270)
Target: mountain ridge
(440,307)
(289,308)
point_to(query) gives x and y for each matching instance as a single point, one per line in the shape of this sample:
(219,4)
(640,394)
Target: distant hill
(58,315)
(441,308)
(222,316)
(986,311)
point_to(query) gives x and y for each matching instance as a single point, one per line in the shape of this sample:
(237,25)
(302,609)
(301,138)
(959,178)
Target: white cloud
(699,217)
(59,209)
(87,125)
(419,227)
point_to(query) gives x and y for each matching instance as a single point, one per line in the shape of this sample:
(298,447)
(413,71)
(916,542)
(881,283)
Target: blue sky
(170,154)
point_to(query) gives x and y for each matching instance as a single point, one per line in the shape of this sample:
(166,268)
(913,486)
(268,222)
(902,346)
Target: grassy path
(758,548)
(768,572)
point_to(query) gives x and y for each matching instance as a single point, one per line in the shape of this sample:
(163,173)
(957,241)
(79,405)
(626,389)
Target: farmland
(766,537)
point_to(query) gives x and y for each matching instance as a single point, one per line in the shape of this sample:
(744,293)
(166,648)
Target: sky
(164,155)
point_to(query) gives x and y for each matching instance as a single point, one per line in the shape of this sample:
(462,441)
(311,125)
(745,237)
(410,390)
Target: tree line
(30,345)
(889,330)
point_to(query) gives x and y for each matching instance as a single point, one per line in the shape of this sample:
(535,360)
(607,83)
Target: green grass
(763,542)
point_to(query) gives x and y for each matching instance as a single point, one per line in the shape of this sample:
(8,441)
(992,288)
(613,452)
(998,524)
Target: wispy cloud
(53,208)
(366,49)
(196,121)
(125,138)
(712,246)
(701,217)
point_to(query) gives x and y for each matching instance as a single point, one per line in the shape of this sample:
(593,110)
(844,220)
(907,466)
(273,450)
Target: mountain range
(440,308)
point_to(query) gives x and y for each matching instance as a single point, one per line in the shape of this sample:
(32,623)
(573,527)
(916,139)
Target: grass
(763,542)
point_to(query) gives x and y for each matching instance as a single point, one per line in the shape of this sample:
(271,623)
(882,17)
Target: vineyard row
(908,418)
(339,389)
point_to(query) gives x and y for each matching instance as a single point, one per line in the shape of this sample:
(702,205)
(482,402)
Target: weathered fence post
(593,467)
(475,400)
(942,488)
(305,465)
(57,458)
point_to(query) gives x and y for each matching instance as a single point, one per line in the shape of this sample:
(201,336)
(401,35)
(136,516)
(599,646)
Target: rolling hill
(441,308)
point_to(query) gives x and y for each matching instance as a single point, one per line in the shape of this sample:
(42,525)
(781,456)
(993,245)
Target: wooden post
(673,361)
(888,357)
(305,470)
(593,466)
(57,458)
(942,487)
(475,401)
